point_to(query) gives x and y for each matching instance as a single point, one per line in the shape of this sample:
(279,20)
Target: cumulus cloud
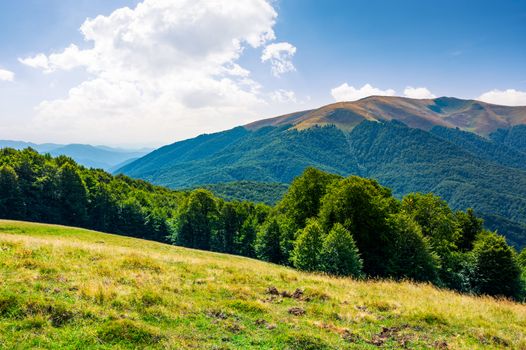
(419,92)
(509,97)
(280,57)
(164,70)
(6,75)
(71,57)
(283,96)
(39,61)
(344,92)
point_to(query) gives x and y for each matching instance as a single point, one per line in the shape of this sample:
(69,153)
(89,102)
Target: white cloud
(164,70)
(283,96)
(509,97)
(280,57)
(71,57)
(39,61)
(6,75)
(419,92)
(344,92)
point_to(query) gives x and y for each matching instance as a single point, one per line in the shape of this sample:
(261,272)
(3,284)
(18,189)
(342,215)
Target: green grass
(70,288)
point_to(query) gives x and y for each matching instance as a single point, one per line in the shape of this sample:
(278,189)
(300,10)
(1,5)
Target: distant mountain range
(102,157)
(471,153)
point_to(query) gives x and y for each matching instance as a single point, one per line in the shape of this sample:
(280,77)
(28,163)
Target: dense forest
(324,223)
(467,170)
(253,191)
(41,188)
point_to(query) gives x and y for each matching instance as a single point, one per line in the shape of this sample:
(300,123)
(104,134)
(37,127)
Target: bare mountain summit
(469,115)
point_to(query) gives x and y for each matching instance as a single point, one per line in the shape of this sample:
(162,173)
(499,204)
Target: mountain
(96,156)
(514,137)
(469,115)
(102,157)
(42,148)
(407,145)
(69,288)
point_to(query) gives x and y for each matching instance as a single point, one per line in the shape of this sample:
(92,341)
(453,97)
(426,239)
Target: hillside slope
(71,288)
(469,115)
(463,168)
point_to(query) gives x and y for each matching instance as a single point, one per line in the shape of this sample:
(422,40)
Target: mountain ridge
(103,157)
(470,115)
(404,150)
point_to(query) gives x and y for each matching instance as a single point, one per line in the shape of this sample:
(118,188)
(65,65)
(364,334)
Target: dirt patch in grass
(297,311)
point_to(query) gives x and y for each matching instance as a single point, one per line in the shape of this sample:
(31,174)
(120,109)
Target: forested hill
(327,223)
(57,190)
(463,168)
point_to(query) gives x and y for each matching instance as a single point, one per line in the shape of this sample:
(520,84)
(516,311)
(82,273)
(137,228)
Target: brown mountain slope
(470,115)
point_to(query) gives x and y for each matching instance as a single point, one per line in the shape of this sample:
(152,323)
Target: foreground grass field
(70,288)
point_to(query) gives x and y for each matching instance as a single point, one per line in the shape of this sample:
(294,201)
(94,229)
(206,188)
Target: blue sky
(158,87)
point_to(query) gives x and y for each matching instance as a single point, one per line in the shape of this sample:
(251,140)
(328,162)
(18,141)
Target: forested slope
(463,168)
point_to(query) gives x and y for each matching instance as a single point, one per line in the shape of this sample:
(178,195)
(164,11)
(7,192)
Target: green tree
(436,220)
(268,240)
(521,259)
(72,194)
(131,218)
(497,271)
(362,206)
(303,198)
(229,226)
(288,235)
(48,204)
(102,209)
(470,226)
(197,220)
(339,254)
(307,248)
(247,237)
(11,203)
(411,256)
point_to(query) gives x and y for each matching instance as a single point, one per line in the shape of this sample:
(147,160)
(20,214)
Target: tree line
(324,223)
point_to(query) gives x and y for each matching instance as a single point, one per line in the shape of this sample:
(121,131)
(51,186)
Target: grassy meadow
(68,288)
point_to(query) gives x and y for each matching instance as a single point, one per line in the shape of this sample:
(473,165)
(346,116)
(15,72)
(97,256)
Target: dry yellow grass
(70,288)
